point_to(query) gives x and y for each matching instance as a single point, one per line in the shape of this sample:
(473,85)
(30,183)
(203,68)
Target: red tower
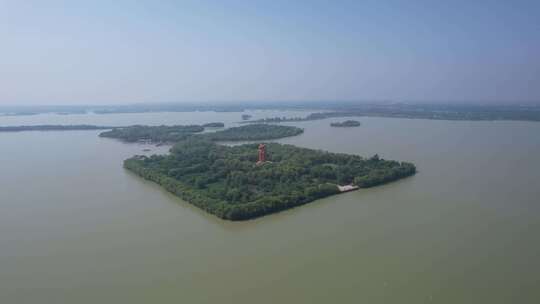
(262,153)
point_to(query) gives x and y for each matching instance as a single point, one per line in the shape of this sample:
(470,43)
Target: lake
(75,227)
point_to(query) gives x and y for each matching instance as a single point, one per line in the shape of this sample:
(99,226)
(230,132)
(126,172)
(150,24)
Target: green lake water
(75,227)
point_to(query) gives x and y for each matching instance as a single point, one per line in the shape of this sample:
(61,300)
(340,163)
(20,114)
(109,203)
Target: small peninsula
(346,124)
(252,180)
(253,132)
(154,134)
(173,134)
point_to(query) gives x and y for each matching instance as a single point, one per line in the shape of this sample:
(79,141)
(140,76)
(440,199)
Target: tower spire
(262,154)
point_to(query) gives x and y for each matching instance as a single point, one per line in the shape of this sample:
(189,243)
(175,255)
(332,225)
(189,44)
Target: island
(251,180)
(346,124)
(246,116)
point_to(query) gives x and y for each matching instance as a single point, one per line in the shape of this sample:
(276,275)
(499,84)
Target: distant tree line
(435,112)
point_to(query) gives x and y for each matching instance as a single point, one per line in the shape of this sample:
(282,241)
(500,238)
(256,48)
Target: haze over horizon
(66,53)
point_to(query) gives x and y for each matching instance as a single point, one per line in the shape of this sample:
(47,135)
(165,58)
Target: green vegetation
(52,128)
(225,181)
(159,134)
(346,124)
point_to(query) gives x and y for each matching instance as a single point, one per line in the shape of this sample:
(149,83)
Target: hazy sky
(104,52)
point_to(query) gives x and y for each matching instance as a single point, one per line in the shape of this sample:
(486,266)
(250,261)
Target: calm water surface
(75,227)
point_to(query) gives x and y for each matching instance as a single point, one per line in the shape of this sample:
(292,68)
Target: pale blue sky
(105,52)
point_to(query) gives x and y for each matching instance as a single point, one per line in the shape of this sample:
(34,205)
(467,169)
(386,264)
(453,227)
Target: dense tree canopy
(226,181)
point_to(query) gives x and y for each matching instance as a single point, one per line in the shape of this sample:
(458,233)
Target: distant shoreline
(53,128)
(473,112)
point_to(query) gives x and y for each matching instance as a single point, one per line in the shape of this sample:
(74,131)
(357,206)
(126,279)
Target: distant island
(52,128)
(173,134)
(214,125)
(246,116)
(251,180)
(346,124)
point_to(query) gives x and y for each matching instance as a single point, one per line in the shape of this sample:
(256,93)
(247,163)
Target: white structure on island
(347,188)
